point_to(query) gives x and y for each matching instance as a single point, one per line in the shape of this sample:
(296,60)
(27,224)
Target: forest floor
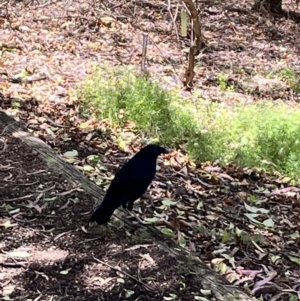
(242,223)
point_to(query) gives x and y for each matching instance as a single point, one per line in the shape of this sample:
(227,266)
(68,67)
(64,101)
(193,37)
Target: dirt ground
(50,252)
(242,223)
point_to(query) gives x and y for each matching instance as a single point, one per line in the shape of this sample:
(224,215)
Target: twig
(13,265)
(19,198)
(3,141)
(7,127)
(138,219)
(128,275)
(173,21)
(88,240)
(144,53)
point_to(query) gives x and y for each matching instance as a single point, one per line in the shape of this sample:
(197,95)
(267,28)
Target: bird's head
(155,149)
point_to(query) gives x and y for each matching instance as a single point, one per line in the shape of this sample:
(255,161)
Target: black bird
(130,183)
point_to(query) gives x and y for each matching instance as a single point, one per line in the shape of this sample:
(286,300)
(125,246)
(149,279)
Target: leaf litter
(242,223)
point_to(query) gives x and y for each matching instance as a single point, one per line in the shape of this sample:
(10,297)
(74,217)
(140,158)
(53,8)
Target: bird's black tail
(102,214)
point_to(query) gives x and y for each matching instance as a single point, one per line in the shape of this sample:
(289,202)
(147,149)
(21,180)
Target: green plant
(289,75)
(122,95)
(265,135)
(23,74)
(293,298)
(16,104)
(223,83)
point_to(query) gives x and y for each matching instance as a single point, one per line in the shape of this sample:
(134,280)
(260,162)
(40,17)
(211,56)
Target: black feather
(130,183)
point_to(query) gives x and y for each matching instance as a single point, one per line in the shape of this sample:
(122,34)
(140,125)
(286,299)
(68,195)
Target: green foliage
(16,105)
(264,135)
(121,95)
(23,74)
(293,298)
(290,76)
(273,138)
(223,83)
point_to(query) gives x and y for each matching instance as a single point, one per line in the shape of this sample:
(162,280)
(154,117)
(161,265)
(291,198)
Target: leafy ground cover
(265,135)
(241,222)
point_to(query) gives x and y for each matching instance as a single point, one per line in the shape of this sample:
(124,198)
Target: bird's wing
(130,183)
(130,186)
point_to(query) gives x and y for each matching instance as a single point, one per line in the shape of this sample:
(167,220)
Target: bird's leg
(129,206)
